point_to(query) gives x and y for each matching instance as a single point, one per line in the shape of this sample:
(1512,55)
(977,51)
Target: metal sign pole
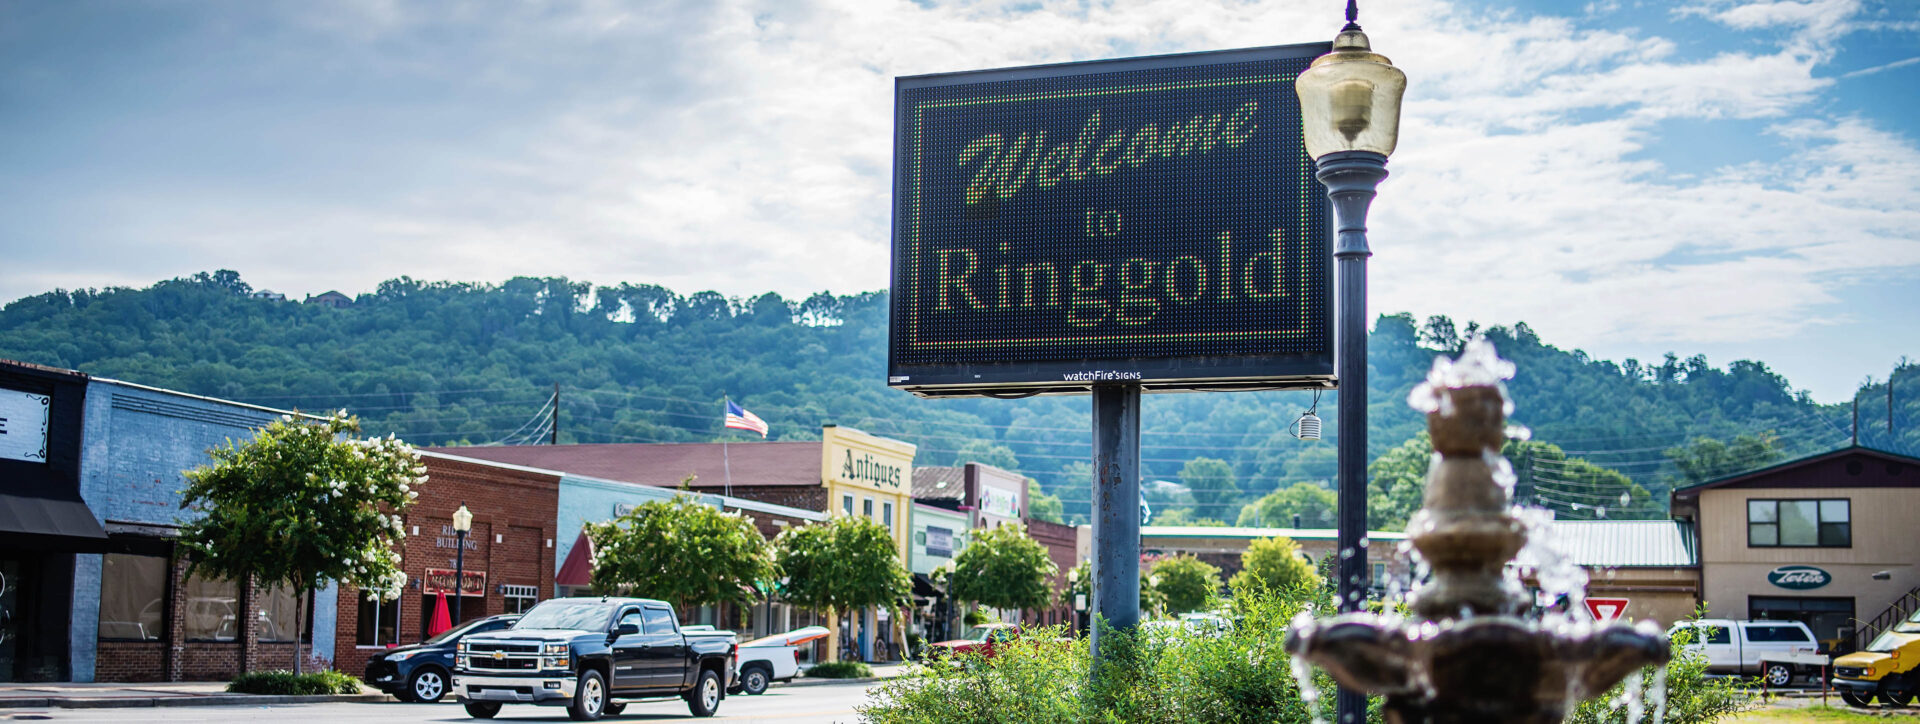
(1116,512)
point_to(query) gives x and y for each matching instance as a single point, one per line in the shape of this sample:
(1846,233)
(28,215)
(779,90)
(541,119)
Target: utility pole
(555,439)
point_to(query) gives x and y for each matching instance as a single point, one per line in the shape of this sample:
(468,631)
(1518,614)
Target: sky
(1734,178)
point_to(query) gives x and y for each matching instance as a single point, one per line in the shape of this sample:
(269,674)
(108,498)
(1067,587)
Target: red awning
(578,570)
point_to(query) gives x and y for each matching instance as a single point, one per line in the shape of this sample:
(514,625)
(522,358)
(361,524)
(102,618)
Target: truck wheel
(1895,691)
(704,699)
(1853,699)
(426,685)
(589,698)
(1777,675)
(483,709)
(754,681)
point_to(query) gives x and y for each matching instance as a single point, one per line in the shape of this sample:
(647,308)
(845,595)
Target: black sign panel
(1148,220)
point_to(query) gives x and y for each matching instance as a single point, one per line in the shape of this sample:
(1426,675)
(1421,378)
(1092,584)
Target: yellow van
(1888,669)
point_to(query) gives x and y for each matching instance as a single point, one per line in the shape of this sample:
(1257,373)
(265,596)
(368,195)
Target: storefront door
(9,616)
(1825,615)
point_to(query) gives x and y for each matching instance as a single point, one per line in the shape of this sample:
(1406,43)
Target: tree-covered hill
(444,363)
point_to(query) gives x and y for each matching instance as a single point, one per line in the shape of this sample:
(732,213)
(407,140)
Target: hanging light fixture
(1308,426)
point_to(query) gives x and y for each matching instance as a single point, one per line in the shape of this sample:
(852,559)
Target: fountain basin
(1478,669)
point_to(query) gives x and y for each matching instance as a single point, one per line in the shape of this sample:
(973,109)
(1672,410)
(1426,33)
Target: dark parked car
(423,672)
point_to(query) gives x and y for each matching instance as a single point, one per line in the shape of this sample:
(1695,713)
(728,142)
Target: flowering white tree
(303,503)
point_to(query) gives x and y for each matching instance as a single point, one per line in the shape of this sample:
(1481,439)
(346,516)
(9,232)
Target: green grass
(286,683)
(1815,714)
(841,670)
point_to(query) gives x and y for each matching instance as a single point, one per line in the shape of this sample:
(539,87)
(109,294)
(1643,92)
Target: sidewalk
(67,695)
(881,672)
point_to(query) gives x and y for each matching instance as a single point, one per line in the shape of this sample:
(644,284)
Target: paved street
(797,705)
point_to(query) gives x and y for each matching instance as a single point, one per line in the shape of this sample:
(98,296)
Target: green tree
(1184,516)
(1397,482)
(1274,563)
(651,550)
(301,504)
(1003,568)
(1572,487)
(1080,583)
(848,563)
(986,452)
(1706,458)
(1186,582)
(1312,503)
(1211,482)
(1041,506)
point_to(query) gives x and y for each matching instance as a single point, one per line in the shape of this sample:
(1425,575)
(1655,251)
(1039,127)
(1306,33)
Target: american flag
(739,419)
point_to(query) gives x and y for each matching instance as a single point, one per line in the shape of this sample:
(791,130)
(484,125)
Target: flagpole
(726,458)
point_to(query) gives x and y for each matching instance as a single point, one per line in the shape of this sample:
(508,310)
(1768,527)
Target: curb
(62,702)
(803,681)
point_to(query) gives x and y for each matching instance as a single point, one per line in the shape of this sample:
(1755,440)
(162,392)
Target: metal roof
(1626,543)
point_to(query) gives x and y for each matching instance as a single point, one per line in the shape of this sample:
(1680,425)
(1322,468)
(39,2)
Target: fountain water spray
(1465,654)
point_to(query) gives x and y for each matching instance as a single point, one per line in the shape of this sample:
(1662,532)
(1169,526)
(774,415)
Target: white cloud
(744,145)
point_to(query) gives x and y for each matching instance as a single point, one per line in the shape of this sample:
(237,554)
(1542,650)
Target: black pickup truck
(591,655)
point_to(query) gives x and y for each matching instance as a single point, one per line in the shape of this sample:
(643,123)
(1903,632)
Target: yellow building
(868,476)
(872,477)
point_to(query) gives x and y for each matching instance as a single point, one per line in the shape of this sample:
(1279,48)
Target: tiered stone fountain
(1465,654)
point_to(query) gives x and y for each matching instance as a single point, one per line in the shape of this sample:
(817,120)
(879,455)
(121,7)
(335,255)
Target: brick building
(779,484)
(508,564)
(1062,542)
(136,614)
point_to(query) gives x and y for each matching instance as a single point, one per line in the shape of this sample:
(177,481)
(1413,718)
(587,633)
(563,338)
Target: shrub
(1242,675)
(1186,582)
(841,670)
(287,683)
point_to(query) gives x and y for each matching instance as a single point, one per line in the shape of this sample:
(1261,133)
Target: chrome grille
(503,656)
(1851,672)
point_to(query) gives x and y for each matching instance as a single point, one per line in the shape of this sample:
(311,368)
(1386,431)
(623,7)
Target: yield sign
(1606,609)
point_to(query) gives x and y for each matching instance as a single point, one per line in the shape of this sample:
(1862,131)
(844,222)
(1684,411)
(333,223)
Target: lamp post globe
(1350,117)
(462,525)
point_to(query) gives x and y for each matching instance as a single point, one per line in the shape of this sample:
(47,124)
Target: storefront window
(279,614)
(1799,523)
(378,621)
(519,598)
(133,597)
(886,516)
(213,609)
(846,503)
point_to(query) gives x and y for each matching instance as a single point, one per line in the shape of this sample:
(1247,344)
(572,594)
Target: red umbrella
(442,623)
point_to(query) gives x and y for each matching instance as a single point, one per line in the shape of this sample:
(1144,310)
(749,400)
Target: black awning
(49,524)
(923,587)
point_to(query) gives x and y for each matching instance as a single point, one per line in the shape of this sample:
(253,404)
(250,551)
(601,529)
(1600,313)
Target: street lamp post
(1350,110)
(462,525)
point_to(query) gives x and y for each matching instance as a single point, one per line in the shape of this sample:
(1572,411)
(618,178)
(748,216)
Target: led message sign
(1149,220)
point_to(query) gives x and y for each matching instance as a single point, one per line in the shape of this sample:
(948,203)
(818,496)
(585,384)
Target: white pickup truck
(766,660)
(1774,650)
